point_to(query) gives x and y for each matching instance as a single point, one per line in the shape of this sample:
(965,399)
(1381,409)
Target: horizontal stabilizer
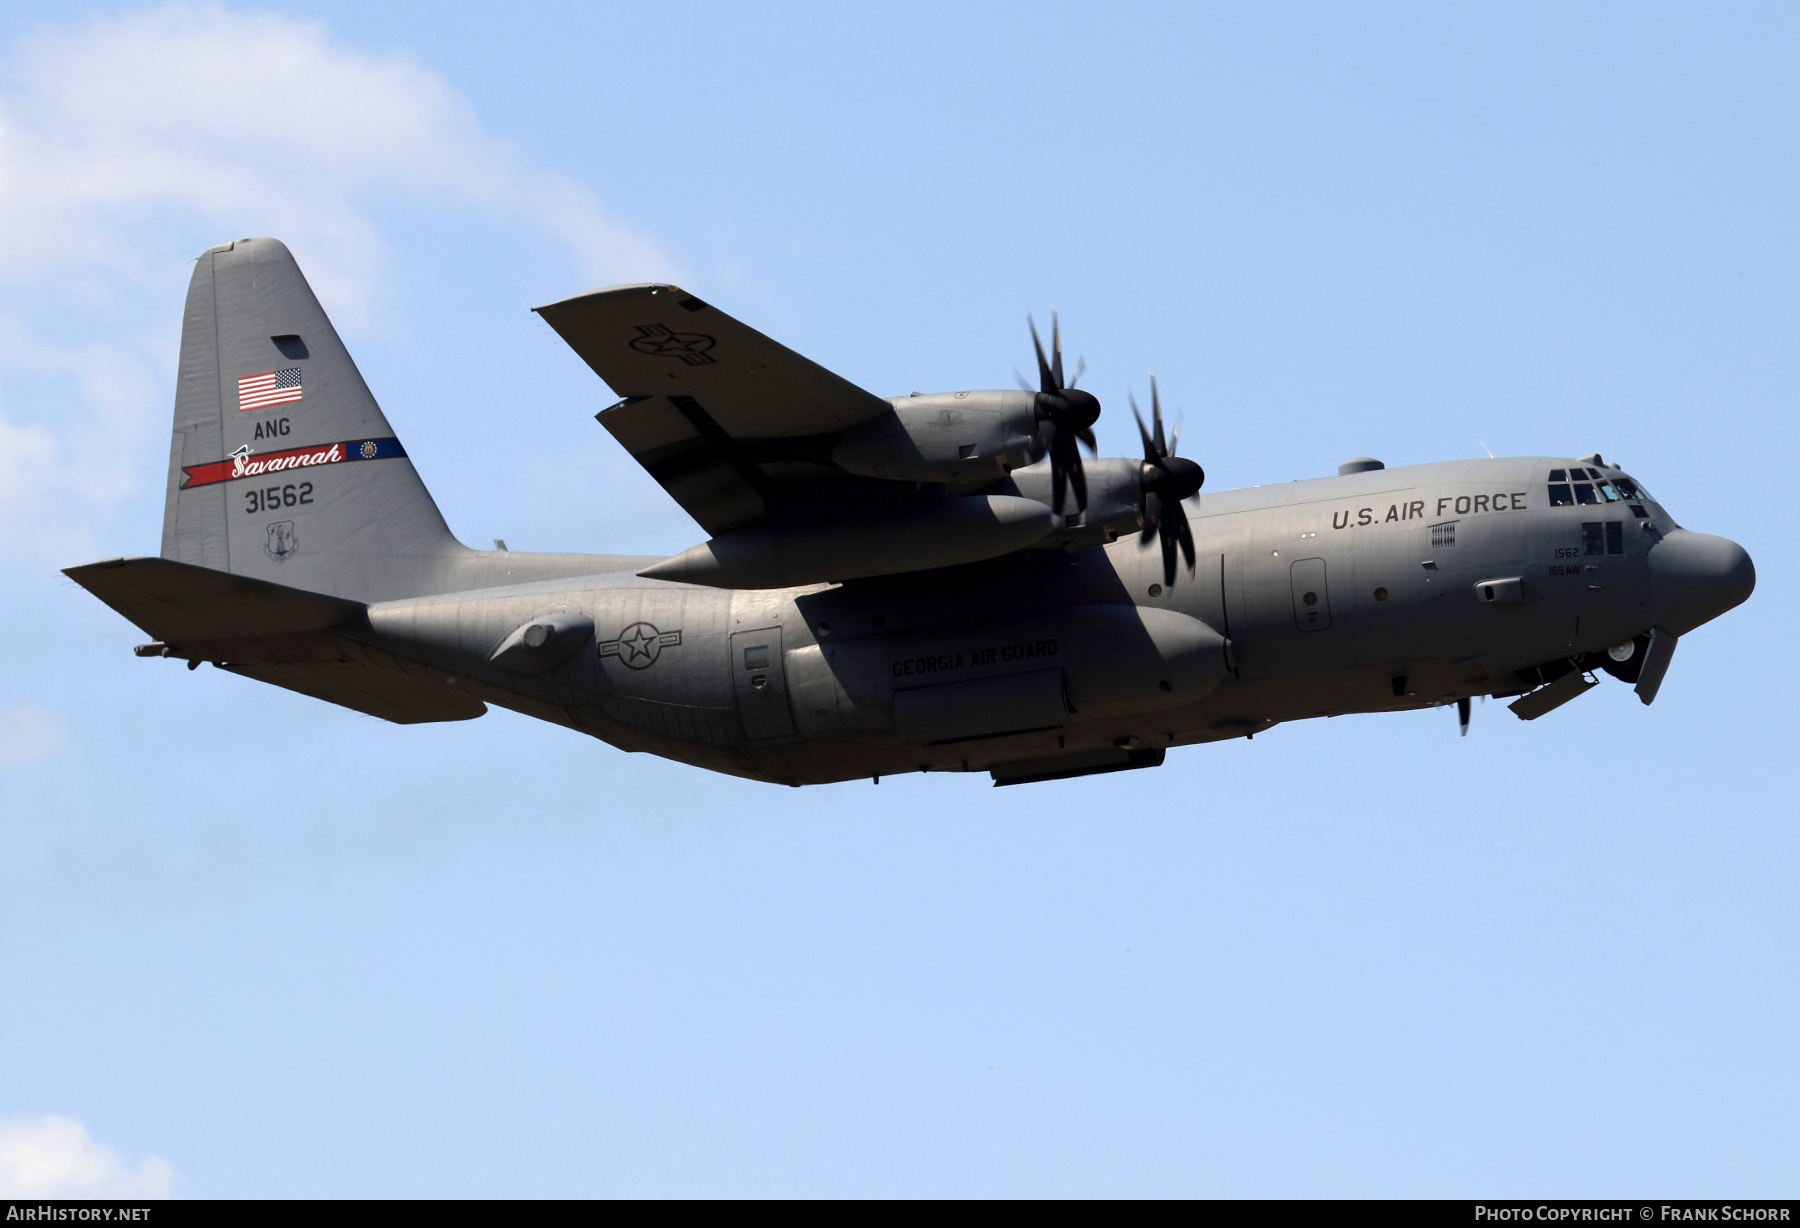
(364,688)
(202,613)
(265,631)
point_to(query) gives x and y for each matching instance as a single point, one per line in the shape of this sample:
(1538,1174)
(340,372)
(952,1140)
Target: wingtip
(626,290)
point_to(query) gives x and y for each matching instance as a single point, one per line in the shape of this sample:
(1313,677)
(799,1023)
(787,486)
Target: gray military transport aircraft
(918,583)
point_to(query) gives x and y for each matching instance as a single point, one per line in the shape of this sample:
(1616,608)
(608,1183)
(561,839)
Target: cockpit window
(1587,486)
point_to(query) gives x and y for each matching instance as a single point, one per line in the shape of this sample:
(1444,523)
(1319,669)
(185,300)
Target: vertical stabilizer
(282,466)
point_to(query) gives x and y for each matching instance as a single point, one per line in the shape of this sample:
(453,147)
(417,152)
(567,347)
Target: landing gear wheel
(1624,661)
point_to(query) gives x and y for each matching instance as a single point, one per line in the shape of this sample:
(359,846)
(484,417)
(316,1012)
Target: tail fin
(283,467)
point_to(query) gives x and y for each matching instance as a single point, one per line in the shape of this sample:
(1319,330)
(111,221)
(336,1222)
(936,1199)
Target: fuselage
(1381,590)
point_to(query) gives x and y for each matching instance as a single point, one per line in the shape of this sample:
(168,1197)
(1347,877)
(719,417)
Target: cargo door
(1312,602)
(756,670)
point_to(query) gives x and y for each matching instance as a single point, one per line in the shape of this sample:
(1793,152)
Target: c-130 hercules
(922,583)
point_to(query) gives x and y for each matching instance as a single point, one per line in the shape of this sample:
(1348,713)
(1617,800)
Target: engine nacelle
(965,440)
(955,530)
(1115,500)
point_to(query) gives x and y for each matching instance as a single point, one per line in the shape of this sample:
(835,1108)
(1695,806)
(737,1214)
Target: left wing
(738,428)
(653,340)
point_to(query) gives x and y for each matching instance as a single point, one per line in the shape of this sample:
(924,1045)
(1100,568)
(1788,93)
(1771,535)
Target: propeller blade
(1156,416)
(1152,518)
(1080,366)
(1174,437)
(1066,472)
(1045,382)
(1185,536)
(1021,381)
(1166,479)
(1065,416)
(1150,456)
(1462,715)
(1077,478)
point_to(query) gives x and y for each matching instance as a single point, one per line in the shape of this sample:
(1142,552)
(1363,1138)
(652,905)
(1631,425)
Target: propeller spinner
(1065,415)
(1166,480)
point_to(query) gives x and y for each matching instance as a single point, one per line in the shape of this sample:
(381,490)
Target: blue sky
(251,944)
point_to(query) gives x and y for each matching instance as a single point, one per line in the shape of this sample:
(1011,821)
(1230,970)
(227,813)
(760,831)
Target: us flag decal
(269,388)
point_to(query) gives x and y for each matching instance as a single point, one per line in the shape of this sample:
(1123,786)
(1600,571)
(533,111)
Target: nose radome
(1695,577)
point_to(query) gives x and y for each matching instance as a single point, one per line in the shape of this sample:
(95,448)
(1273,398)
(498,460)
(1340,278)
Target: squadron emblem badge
(282,543)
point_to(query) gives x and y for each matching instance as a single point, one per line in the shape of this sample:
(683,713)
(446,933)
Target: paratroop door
(756,671)
(1312,605)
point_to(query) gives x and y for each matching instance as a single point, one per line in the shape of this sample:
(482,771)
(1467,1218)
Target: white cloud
(122,132)
(237,116)
(53,1157)
(26,733)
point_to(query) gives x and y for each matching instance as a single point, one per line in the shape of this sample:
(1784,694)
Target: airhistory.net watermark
(53,1213)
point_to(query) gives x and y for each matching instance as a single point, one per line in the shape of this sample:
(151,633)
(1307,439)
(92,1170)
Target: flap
(364,688)
(727,483)
(655,340)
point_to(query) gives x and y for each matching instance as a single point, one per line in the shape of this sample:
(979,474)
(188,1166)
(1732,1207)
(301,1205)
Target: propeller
(1166,479)
(1462,715)
(1065,414)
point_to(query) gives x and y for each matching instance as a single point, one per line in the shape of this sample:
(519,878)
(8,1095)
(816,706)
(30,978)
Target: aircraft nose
(1695,577)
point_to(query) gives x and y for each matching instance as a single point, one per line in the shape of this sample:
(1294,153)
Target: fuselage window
(756,657)
(1607,492)
(1584,493)
(1615,537)
(1558,475)
(1630,489)
(1593,538)
(1559,492)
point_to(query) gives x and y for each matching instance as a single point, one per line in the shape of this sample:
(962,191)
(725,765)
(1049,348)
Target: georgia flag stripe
(245,463)
(269,388)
